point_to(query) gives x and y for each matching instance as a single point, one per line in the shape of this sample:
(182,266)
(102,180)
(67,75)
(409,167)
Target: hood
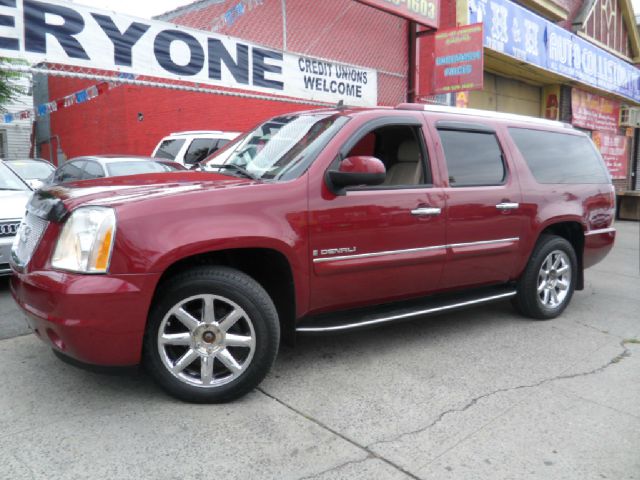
(13,203)
(115,191)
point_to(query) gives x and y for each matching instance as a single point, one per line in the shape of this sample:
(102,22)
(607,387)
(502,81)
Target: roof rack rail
(197,132)
(481,113)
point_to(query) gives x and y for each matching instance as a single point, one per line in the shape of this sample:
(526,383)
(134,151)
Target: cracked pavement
(476,394)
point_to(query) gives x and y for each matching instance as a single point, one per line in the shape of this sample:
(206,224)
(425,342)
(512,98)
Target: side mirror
(358,170)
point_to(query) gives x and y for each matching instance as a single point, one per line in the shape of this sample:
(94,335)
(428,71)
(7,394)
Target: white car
(14,195)
(189,148)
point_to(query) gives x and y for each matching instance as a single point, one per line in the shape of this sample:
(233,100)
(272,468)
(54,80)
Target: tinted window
(117,169)
(70,172)
(93,170)
(169,149)
(199,150)
(560,158)
(473,158)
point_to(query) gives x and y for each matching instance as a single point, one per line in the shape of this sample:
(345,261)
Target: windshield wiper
(237,168)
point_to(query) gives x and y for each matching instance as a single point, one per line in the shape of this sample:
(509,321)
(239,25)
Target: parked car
(14,195)
(34,171)
(321,221)
(100,166)
(189,148)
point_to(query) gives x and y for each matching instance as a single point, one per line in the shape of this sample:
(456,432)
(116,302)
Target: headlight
(86,241)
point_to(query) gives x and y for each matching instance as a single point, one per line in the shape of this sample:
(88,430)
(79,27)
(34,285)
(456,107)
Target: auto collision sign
(425,12)
(60,32)
(515,31)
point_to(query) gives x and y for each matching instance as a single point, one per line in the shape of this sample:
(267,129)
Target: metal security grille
(31,231)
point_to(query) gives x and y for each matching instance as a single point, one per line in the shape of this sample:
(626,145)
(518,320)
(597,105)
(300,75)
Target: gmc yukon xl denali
(316,222)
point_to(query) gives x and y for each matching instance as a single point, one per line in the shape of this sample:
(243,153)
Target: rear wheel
(212,336)
(548,282)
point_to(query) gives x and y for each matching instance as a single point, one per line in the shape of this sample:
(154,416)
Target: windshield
(9,180)
(117,169)
(32,170)
(281,148)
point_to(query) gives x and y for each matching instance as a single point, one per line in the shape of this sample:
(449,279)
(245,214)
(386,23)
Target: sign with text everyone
(515,31)
(459,59)
(614,152)
(424,12)
(594,112)
(59,32)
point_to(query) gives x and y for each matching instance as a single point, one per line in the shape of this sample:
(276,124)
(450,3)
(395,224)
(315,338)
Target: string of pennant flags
(45,109)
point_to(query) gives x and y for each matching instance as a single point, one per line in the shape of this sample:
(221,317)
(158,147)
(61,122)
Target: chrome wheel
(206,341)
(554,279)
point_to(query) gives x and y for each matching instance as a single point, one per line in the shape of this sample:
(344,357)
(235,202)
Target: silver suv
(14,194)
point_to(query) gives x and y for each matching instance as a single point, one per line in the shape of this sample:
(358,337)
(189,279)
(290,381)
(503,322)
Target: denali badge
(334,251)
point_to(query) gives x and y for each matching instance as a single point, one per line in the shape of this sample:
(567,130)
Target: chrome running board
(381,314)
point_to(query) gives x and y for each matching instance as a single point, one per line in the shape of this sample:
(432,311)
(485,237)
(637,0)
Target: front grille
(9,229)
(29,235)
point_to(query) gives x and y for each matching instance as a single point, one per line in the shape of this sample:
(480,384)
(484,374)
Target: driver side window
(400,148)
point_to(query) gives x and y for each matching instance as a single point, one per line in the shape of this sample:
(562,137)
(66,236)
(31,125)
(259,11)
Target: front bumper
(5,253)
(96,319)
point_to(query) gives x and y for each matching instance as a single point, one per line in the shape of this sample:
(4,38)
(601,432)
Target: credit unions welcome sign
(60,32)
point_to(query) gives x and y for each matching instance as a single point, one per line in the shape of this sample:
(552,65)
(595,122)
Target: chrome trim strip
(378,254)
(484,242)
(404,315)
(412,250)
(426,211)
(600,231)
(508,206)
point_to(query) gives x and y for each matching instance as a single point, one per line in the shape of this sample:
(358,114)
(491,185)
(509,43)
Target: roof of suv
(205,134)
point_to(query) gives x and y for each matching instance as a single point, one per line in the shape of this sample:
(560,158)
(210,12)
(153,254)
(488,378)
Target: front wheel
(212,336)
(548,282)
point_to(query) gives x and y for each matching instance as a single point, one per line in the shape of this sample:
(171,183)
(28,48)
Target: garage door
(503,94)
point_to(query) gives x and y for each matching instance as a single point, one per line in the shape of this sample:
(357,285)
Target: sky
(138,8)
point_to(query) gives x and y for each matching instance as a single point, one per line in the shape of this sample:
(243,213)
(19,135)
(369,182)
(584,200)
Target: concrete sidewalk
(478,394)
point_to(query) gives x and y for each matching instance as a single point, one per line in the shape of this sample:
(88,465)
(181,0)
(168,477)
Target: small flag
(8,118)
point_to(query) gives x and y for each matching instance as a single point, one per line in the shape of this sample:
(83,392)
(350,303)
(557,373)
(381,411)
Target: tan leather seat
(408,169)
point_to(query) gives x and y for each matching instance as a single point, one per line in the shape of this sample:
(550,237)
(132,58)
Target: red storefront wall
(339,30)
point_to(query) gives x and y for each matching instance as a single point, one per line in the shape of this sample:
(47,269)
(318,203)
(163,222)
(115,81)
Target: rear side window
(559,158)
(92,170)
(169,148)
(473,158)
(199,149)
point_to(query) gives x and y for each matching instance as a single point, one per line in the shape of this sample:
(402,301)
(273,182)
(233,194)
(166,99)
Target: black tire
(528,300)
(232,289)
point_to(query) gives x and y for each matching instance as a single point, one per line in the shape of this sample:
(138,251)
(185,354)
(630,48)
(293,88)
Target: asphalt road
(478,394)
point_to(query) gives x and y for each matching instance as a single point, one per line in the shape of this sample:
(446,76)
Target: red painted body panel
(392,254)
(95,319)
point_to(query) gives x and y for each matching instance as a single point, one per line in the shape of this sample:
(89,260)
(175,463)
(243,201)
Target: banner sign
(614,151)
(519,33)
(594,112)
(66,33)
(425,12)
(459,59)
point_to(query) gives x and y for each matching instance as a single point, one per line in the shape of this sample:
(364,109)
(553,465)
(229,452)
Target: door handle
(507,206)
(430,211)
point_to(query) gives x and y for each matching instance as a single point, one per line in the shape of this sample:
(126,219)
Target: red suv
(316,222)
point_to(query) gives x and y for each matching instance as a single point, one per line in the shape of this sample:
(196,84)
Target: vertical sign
(614,151)
(551,102)
(459,60)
